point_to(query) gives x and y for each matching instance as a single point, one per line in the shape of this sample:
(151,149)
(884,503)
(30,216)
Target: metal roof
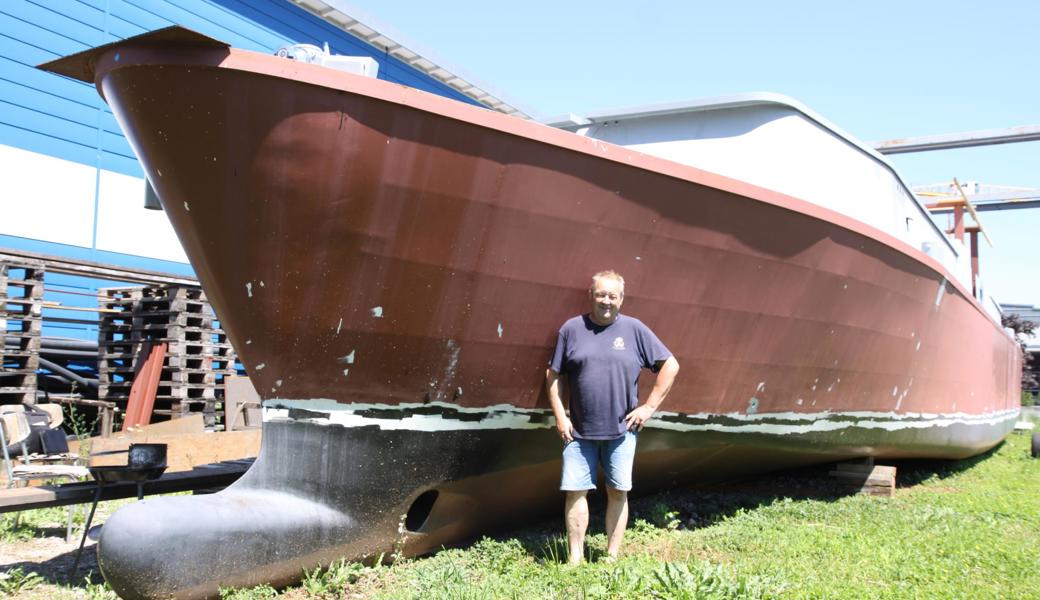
(366,28)
(574,122)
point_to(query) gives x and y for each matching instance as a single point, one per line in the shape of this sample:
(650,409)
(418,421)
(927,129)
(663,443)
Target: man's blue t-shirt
(602,365)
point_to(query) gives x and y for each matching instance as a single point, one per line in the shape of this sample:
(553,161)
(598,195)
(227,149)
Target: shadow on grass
(700,506)
(58,569)
(914,472)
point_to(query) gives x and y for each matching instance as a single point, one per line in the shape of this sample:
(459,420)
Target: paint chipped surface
(349,358)
(377,312)
(186,207)
(499,330)
(450,417)
(752,406)
(260,367)
(278,383)
(249,342)
(249,289)
(339,326)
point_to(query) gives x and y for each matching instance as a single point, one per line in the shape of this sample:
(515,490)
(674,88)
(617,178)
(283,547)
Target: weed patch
(955,529)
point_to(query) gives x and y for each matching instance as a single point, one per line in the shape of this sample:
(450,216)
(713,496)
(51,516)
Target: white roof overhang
(362,26)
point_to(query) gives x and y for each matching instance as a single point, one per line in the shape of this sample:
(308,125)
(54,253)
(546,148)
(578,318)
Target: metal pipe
(67,374)
(68,343)
(58,343)
(68,354)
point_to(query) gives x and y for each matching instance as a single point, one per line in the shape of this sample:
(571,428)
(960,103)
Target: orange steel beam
(974,238)
(971,209)
(157,358)
(945,203)
(146,383)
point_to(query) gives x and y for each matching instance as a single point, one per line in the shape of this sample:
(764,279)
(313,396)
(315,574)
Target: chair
(15,430)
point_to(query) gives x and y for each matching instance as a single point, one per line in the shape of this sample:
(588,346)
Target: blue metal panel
(59,117)
(50,125)
(46,113)
(202,16)
(78,291)
(71,20)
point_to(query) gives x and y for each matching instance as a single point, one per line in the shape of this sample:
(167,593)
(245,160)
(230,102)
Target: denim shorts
(581,457)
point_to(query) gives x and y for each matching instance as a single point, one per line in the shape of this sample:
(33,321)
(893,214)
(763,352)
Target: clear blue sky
(879,70)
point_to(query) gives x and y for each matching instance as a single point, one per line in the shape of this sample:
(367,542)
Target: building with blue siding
(71,185)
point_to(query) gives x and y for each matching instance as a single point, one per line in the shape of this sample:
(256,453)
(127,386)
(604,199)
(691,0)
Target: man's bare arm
(552,387)
(662,385)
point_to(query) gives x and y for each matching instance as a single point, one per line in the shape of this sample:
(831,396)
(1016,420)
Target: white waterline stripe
(327,405)
(504,416)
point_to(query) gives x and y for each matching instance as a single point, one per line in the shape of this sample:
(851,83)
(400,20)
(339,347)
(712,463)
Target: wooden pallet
(198,354)
(21,313)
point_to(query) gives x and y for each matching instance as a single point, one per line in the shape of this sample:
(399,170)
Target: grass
(966,529)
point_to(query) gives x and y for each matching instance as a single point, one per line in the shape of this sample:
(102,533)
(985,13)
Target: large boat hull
(392,268)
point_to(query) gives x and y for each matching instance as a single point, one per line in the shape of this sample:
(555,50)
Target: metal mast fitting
(959,203)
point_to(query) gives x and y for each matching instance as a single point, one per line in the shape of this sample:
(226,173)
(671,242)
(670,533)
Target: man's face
(606,296)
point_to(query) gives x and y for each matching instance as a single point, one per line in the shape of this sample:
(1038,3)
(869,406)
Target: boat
(392,268)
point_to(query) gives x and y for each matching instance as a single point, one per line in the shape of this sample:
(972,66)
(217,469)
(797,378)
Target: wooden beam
(58,264)
(184,451)
(869,479)
(200,478)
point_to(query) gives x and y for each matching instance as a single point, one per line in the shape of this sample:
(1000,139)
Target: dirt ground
(40,547)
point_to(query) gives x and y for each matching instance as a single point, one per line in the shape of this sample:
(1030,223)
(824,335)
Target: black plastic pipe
(67,374)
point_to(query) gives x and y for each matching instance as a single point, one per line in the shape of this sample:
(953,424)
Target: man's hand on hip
(564,427)
(635,420)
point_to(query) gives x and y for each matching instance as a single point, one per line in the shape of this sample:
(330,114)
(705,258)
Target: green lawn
(967,529)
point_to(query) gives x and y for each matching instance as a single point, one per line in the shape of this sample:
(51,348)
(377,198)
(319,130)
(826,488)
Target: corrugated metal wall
(52,115)
(57,117)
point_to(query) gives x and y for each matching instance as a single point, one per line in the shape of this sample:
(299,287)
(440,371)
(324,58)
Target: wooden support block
(873,480)
(184,450)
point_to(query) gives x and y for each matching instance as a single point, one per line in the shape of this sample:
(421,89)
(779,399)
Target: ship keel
(320,492)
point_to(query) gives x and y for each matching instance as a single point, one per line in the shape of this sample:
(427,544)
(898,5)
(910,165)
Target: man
(601,353)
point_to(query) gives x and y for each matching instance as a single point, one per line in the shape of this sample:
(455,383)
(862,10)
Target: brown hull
(329,203)
(393,258)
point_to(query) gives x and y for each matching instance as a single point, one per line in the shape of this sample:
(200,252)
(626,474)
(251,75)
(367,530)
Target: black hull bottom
(320,492)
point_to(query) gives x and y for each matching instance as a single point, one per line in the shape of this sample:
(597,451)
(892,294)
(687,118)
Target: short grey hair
(608,274)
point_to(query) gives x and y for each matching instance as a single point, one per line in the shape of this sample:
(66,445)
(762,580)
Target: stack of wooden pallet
(21,309)
(198,355)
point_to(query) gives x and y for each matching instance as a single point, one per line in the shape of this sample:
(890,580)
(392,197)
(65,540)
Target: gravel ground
(40,547)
